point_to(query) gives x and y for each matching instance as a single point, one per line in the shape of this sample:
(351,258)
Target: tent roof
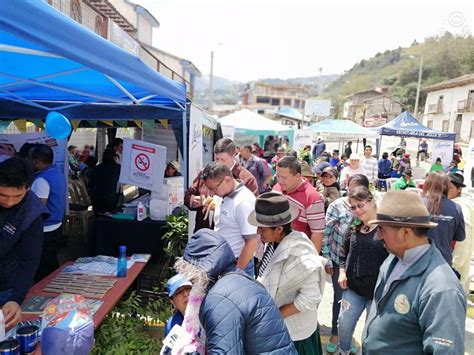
(341,128)
(405,125)
(291,113)
(248,122)
(50,62)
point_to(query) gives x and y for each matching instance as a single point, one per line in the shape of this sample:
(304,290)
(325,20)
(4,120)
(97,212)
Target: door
(457,127)
(445,126)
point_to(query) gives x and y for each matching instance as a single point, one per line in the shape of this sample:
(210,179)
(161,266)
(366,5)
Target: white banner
(143,164)
(195,143)
(302,138)
(228,132)
(444,150)
(195,155)
(11,144)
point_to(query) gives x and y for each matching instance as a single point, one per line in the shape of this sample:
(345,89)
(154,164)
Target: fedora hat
(272,209)
(457,179)
(306,169)
(404,209)
(175,165)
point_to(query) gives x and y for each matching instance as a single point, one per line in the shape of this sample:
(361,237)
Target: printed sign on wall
(143,164)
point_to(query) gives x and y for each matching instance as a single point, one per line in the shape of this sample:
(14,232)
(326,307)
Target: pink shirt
(309,202)
(347,172)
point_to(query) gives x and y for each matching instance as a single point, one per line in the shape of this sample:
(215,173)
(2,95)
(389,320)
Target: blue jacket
(238,314)
(56,204)
(21,241)
(423,312)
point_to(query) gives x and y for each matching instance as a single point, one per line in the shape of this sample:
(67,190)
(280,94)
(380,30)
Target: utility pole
(211,78)
(418,87)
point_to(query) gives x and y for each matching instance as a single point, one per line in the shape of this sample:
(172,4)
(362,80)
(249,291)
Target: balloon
(57,125)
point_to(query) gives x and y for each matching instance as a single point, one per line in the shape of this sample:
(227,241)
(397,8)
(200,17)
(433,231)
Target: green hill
(444,57)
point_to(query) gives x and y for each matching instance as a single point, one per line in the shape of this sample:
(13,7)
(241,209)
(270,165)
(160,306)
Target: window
(263,100)
(99,26)
(76,11)
(275,101)
(430,124)
(296,104)
(287,102)
(445,126)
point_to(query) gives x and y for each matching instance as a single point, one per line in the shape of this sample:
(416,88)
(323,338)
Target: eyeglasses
(358,206)
(217,186)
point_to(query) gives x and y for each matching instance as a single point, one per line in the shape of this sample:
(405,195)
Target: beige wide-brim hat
(272,209)
(403,209)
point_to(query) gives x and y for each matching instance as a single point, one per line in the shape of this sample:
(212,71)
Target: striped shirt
(371,168)
(311,206)
(338,219)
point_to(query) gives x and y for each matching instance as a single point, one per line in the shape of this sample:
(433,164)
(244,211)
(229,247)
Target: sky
(255,39)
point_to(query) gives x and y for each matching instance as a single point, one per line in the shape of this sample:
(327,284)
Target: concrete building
(450,107)
(266,98)
(130,26)
(371,107)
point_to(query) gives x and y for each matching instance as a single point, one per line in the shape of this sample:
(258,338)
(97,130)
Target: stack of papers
(97,265)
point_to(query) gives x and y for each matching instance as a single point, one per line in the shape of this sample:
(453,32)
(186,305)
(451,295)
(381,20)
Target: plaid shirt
(338,218)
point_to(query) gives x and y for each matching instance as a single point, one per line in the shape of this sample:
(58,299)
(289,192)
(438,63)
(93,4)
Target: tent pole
(185,150)
(357,147)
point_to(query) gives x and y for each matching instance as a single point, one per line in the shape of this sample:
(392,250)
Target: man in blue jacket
(238,315)
(50,187)
(21,236)
(419,305)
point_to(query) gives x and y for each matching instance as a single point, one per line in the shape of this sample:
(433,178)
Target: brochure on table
(143,164)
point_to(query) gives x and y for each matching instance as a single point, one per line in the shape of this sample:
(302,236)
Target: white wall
(450,109)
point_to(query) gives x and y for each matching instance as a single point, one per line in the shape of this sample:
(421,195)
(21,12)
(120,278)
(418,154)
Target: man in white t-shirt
(50,187)
(232,214)
(369,164)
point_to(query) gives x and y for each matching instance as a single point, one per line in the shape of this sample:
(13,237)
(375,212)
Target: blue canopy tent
(290,113)
(49,62)
(405,125)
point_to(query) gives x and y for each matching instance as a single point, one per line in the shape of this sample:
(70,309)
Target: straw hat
(272,209)
(175,165)
(404,209)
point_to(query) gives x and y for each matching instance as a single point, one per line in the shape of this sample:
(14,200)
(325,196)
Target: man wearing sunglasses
(232,214)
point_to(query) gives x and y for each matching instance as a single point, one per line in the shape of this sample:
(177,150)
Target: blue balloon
(57,125)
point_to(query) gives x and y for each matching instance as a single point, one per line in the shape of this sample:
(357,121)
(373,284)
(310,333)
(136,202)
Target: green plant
(123,330)
(175,240)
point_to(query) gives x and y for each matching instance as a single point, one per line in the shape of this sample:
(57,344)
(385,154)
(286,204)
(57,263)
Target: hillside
(444,58)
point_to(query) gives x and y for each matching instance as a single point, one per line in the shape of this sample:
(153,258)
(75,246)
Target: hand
(329,270)
(342,279)
(12,313)
(196,201)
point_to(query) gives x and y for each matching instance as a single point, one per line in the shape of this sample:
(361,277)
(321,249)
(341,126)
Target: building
(450,107)
(266,98)
(371,107)
(130,26)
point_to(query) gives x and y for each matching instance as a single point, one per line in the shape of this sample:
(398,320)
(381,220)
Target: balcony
(466,106)
(435,108)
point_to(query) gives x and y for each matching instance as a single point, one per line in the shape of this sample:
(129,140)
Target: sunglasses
(358,206)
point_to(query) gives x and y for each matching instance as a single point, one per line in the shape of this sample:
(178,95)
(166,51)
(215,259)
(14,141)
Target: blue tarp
(50,62)
(341,129)
(405,125)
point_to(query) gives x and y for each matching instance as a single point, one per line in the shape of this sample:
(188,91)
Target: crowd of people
(267,241)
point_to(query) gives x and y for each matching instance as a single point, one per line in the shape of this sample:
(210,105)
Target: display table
(107,234)
(110,299)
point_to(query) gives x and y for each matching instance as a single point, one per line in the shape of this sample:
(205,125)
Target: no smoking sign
(142,162)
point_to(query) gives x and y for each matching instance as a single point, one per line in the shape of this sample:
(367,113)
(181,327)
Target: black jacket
(21,242)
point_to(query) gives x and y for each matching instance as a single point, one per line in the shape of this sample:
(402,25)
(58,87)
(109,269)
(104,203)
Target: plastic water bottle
(2,326)
(122,262)
(140,211)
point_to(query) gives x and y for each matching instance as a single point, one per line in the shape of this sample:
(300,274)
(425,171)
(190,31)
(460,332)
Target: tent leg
(185,150)
(357,147)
